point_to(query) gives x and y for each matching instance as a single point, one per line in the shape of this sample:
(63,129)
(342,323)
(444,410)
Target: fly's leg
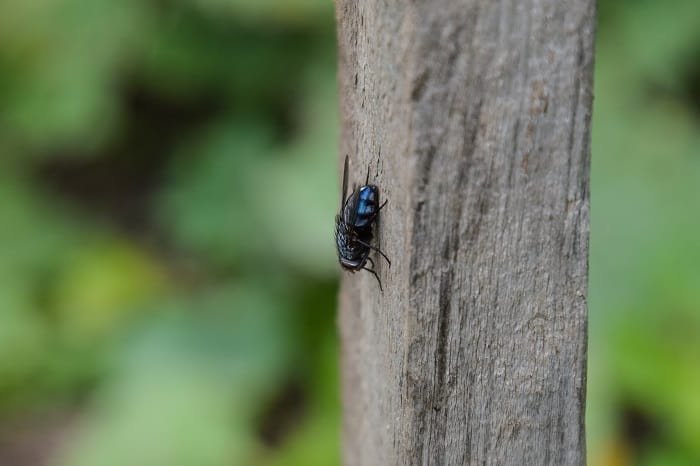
(375,276)
(374,249)
(369,259)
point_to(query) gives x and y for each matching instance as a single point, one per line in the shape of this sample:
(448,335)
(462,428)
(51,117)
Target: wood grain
(473,117)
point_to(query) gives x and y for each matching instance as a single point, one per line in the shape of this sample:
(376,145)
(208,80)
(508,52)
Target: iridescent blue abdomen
(366,206)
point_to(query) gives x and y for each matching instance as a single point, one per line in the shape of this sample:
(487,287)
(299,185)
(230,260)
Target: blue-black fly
(354,224)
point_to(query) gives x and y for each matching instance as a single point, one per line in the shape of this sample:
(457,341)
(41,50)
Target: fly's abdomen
(366,206)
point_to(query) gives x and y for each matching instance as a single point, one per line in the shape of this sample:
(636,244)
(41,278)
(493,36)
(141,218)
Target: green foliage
(167,188)
(167,273)
(644,280)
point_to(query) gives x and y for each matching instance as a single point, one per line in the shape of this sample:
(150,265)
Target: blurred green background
(161,304)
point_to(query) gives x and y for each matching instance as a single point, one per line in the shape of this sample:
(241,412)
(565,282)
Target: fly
(354,226)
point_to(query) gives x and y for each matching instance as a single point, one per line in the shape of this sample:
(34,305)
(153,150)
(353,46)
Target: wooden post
(474,119)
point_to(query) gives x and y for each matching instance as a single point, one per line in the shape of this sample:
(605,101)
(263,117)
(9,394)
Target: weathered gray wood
(474,118)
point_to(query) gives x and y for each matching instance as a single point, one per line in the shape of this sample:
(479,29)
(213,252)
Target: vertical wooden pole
(474,118)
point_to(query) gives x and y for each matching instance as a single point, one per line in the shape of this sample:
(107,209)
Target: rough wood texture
(474,118)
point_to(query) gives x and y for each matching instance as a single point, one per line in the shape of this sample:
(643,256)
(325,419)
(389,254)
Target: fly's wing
(345,184)
(348,205)
(350,208)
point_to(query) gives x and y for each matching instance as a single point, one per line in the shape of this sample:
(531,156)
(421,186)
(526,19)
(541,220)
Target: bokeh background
(168,280)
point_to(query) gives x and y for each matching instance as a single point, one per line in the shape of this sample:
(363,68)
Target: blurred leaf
(210,206)
(235,198)
(189,384)
(270,10)
(317,441)
(644,291)
(101,284)
(58,62)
